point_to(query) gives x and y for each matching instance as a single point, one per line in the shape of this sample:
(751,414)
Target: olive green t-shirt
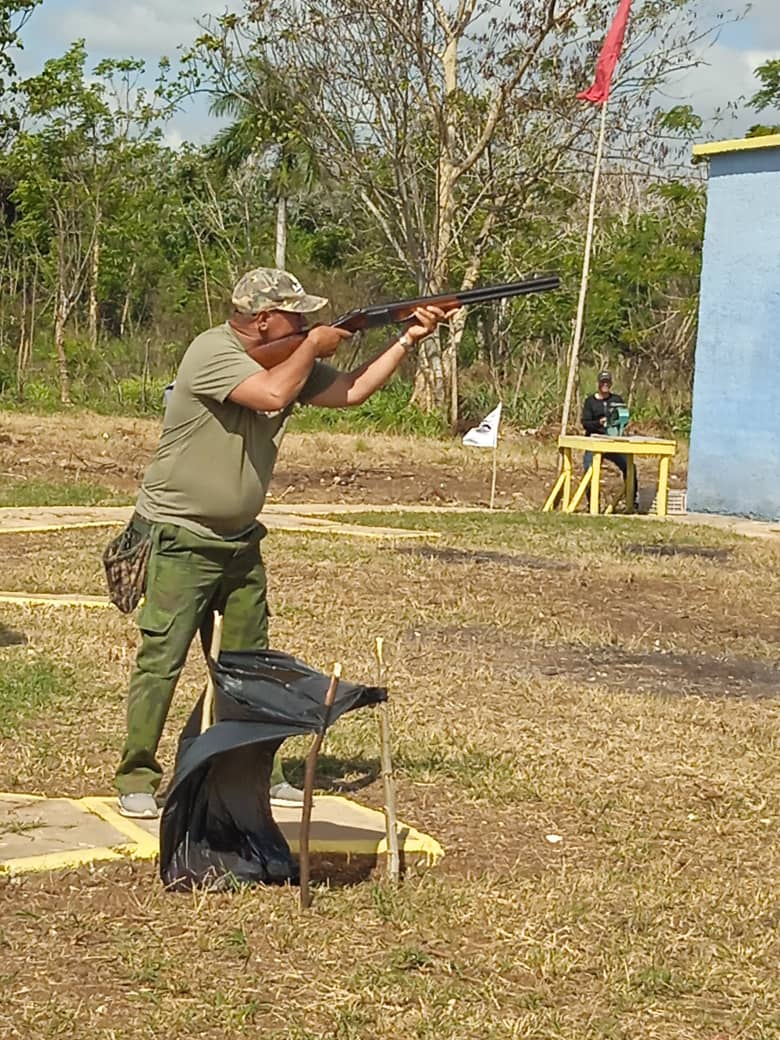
(214,462)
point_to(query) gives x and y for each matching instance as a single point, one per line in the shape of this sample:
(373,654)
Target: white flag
(486,434)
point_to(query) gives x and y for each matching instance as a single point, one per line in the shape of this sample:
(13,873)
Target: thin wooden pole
(208,697)
(575,346)
(388,778)
(495,465)
(308,789)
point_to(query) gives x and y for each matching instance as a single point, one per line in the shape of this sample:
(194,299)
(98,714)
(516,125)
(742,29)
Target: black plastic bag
(217,829)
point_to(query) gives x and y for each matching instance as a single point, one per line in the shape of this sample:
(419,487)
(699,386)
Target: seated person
(594,419)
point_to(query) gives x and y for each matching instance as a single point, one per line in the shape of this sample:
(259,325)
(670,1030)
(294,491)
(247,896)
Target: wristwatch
(406,341)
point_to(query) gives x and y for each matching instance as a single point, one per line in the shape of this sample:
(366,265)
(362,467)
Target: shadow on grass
(10,638)
(339,775)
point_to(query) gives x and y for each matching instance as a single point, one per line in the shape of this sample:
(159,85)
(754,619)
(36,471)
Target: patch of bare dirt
(374,469)
(660,672)
(429,485)
(533,563)
(704,552)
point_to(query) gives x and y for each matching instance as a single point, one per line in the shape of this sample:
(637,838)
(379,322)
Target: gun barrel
(401,310)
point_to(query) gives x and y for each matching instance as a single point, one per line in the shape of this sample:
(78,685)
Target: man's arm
(351,388)
(270,390)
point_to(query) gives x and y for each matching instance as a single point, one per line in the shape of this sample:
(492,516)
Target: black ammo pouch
(126,560)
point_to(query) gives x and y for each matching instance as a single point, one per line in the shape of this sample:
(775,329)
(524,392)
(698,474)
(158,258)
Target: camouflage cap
(268,289)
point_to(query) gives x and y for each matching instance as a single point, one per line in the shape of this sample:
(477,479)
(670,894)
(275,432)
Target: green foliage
(28,689)
(762,130)
(13,15)
(116,250)
(387,411)
(681,118)
(768,96)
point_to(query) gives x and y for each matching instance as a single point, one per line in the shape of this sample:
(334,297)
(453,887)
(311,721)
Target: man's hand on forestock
(426,320)
(325,340)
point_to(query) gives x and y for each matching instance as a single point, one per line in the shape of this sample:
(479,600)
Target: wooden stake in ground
(208,696)
(308,789)
(388,779)
(495,465)
(575,346)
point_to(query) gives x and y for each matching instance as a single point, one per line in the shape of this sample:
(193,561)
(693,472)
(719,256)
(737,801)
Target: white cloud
(766,14)
(724,84)
(151,28)
(142,28)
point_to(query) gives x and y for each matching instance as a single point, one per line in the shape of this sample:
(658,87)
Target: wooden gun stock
(274,353)
(270,354)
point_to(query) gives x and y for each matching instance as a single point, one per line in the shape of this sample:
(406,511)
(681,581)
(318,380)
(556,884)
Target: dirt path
(110,452)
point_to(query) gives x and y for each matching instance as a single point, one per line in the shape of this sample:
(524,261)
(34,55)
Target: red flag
(608,59)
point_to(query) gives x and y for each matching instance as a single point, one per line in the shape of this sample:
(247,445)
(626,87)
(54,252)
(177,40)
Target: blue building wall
(735,437)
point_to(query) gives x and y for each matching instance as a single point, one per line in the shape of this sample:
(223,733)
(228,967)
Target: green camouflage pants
(189,577)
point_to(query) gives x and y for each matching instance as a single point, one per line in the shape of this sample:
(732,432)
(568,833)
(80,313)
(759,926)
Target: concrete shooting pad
(43,834)
(18,520)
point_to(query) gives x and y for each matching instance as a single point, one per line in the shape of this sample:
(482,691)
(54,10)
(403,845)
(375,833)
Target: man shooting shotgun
(195,519)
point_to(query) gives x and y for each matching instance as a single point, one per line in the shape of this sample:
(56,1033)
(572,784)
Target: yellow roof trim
(741,144)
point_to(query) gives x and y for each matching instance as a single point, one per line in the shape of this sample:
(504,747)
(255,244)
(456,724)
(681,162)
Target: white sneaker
(286,794)
(139,806)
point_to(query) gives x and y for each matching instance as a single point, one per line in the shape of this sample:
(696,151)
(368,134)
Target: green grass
(29,688)
(653,917)
(537,530)
(23,493)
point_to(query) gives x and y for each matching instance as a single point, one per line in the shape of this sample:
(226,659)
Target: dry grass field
(613,683)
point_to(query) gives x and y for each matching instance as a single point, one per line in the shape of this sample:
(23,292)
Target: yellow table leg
(595,483)
(662,496)
(567,477)
(579,494)
(630,484)
(552,498)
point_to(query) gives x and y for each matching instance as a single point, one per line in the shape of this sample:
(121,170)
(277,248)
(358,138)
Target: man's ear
(261,321)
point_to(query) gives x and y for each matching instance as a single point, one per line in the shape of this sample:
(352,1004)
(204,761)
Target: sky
(149,29)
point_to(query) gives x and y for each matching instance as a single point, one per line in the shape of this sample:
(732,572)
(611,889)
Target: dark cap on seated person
(269,289)
(605,377)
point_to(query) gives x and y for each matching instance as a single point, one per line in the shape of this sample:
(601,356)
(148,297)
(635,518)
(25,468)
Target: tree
(768,96)
(13,16)
(72,161)
(448,121)
(267,131)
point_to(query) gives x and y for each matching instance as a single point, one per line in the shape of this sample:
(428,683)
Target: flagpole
(575,346)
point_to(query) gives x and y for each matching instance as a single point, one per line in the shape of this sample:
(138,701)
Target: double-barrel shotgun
(400,311)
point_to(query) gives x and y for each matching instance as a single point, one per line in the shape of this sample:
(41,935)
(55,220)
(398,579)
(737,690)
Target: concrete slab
(39,834)
(735,524)
(31,827)
(15,520)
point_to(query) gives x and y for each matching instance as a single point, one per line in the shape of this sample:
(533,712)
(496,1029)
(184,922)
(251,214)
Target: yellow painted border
(739,144)
(144,846)
(48,528)
(64,860)
(53,600)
